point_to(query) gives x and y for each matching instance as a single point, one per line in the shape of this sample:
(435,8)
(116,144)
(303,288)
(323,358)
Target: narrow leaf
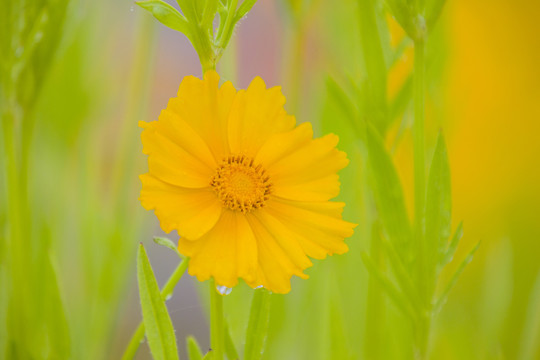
(375,64)
(452,247)
(258,325)
(209,12)
(438,204)
(444,296)
(158,325)
(243,9)
(193,349)
(388,192)
(230,349)
(167,15)
(531,330)
(405,281)
(168,244)
(433,12)
(397,297)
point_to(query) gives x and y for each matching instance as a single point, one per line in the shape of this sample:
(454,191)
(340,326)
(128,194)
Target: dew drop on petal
(223,290)
(259,287)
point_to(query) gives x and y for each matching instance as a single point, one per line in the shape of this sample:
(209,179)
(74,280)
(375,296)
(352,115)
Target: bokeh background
(116,65)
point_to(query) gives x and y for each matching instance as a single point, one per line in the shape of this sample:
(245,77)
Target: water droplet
(223,290)
(168,297)
(259,287)
(131,8)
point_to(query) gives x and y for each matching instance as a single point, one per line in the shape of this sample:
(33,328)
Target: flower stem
(418,134)
(166,292)
(217,327)
(423,328)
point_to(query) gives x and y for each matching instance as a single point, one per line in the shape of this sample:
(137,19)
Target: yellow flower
(247,191)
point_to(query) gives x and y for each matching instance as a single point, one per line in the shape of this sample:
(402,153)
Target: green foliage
(388,192)
(168,244)
(193,349)
(157,323)
(230,348)
(196,23)
(258,325)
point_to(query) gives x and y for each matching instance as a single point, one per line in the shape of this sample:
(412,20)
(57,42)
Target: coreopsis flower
(247,190)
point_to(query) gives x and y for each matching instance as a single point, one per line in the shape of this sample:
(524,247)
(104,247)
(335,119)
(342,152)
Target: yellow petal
(226,253)
(193,212)
(282,144)
(285,238)
(170,162)
(205,107)
(256,114)
(318,224)
(309,173)
(275,265)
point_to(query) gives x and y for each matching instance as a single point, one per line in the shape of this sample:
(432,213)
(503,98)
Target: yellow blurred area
(493,128)
(494,99)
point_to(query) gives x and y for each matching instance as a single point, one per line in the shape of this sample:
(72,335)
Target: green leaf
(401,100)
(402,276)
(257,330)
(230,349)
(444,296)
(158,325)
(387,191)
(433,12)
(168,244)
(243,9)
(193,349)
(375,64)
(167,15)
(57,322)
(530,337)
(345,104)
(438,204)
(452,247)
(209,355)
(397,297)
(209,12)
(190,9)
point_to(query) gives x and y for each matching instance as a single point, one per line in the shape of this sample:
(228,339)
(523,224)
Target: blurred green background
(115,66)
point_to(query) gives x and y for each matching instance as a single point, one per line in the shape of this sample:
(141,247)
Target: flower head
(247,190)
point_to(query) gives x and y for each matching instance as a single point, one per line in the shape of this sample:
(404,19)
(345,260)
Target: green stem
(223,41)
(423,328)
(217,327)
(418,133)
(16,243)
(166,292)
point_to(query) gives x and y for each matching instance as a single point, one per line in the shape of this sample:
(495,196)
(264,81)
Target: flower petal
(318,226)
(193,212)
(256,114)
(172,163)
(282,144)
(309,173)
(226,253)
(205,107)
(275,265)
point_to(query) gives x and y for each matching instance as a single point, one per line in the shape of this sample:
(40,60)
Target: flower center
(240,185)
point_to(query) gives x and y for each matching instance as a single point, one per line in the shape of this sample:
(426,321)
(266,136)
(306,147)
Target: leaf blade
(167,15)
(388,191)
(157,322)
(193,349)
(258,325)
(438,203)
